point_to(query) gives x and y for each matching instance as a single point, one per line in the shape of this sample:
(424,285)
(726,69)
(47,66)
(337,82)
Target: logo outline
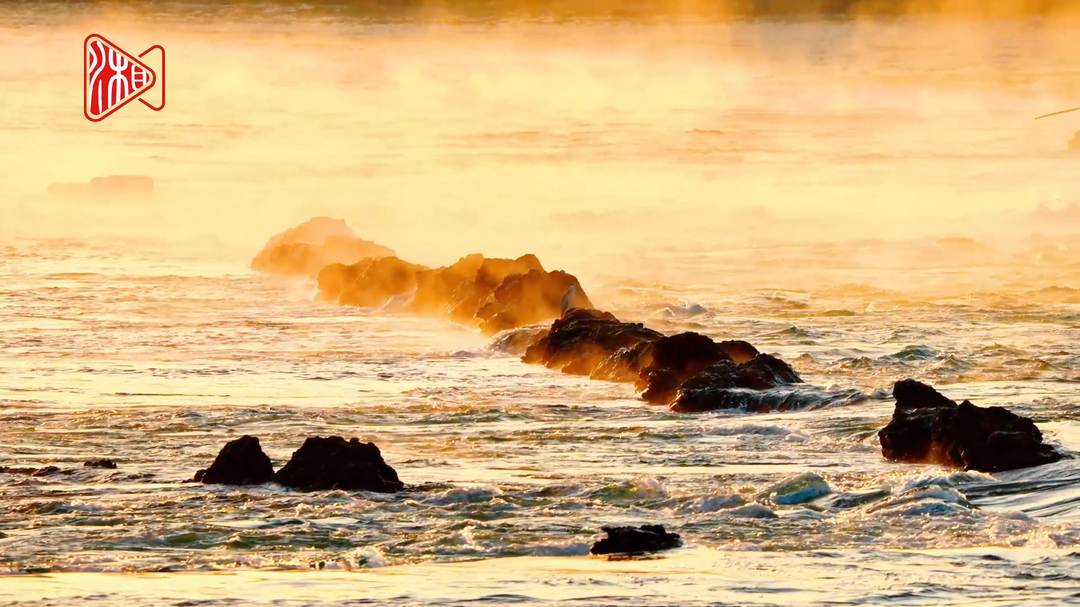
(133,97)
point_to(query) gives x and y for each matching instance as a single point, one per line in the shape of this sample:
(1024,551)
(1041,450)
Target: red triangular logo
(112,78)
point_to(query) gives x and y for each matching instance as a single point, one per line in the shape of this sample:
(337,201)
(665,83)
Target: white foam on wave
(713,503)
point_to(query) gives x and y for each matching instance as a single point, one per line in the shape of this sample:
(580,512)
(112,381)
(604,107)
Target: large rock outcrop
(334,463)
(311,246)
(240,462)
(490,293)
(926,427)
(581,341)
(636,540)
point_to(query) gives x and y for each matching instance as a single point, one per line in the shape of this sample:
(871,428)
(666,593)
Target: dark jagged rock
(240,462)
(749,386)
(690,371)
(636,540)
(311,246)
(676,360)
(334,463)
(671,361)
(100,463)
(582,339)
(927,427)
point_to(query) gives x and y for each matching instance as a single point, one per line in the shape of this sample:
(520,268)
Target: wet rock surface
(240,462)
(636,540)
(927,427)
(581,340)
(334,463)
(107,464)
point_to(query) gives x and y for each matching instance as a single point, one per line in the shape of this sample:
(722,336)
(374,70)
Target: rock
(100,463)
(524,299)
(369,283)
(459,291)
(580,340)
(311,246)
(437,289)
(334,463)
(240,462)
(689,371)
(636,540)
(712,387)
(927,427)
(1074,144)
(113,187)
(671,361)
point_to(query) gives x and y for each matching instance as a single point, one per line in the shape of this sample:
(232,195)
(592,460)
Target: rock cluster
(688,371)
(320,464)
(489,293)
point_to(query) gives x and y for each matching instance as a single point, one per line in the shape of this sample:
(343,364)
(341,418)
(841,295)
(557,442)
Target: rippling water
(155,360)
(760,181)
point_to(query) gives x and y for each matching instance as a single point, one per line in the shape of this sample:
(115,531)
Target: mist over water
(860,188)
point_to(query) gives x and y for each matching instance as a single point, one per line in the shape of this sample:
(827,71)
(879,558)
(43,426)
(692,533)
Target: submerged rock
(100,463)
(43,471)
(582,339)
(311,246)
(927,427)
(636,540)
(240,462)
(334,463)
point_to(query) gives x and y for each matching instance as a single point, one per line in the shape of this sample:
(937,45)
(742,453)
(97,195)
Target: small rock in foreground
(240,462)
